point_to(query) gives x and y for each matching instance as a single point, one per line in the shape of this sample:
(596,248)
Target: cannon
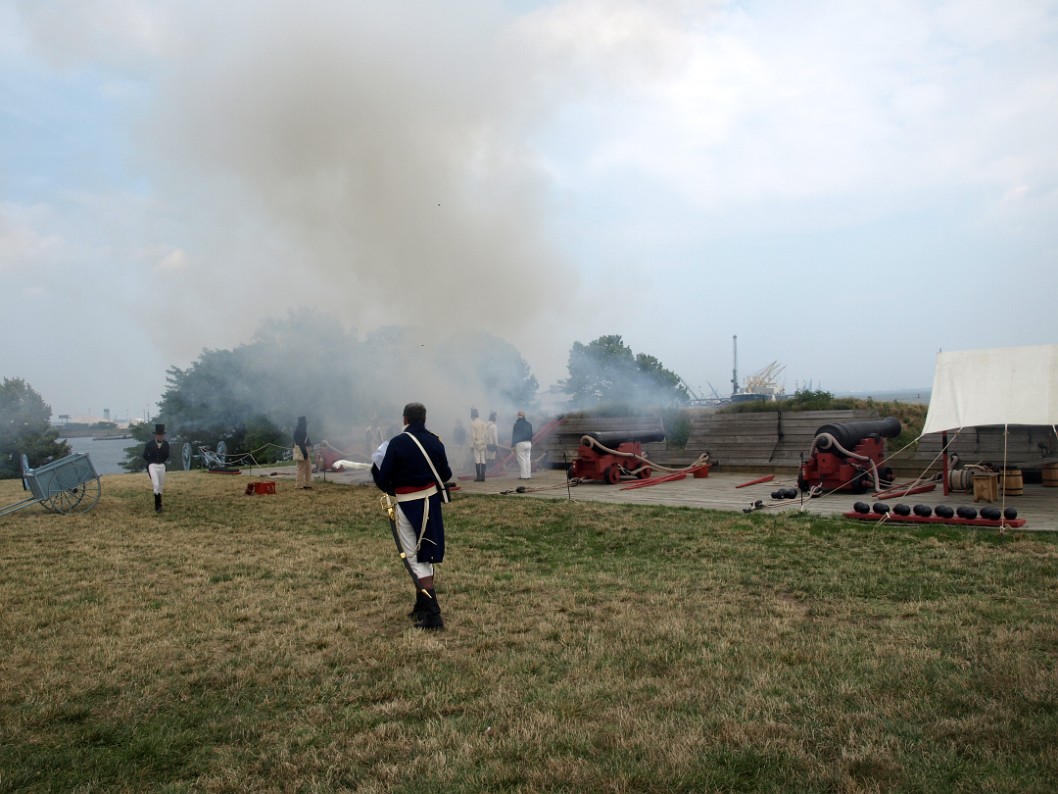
(67,485)
(609,456)
(847,456)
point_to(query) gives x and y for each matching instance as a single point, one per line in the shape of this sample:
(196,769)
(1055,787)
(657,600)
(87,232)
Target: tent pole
(944,460)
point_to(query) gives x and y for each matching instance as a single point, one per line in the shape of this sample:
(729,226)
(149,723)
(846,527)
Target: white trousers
(479,455)
(157,472)
(523,449)
(409,540)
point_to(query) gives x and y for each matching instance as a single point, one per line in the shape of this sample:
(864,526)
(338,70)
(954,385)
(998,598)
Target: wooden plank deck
(1038,505)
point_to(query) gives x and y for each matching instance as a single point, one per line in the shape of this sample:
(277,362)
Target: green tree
(606,371)
(25,429)
(134,461)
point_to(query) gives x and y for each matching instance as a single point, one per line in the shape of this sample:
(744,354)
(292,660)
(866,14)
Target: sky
(847,187)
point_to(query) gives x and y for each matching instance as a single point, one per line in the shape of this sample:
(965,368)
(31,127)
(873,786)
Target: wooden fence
(1027,447)
(776,440)
(772,440)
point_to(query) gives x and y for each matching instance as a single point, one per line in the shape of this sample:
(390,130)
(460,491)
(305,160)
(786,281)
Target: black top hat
(159,430)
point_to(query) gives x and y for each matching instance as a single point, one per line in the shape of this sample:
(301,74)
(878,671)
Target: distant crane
(734,366)
(762,384)
(767,380)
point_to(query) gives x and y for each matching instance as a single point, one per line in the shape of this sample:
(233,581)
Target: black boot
(157,503)
(420,609)
(483,467)
(431,621)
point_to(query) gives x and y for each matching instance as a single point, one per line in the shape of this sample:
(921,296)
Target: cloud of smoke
(369,160)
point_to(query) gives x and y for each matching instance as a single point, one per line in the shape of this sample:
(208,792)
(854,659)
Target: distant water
(107,456)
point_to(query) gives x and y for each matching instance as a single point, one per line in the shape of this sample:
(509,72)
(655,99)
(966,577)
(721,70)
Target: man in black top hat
(156,453)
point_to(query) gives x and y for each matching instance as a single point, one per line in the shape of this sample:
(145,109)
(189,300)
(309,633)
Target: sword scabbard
(390,510)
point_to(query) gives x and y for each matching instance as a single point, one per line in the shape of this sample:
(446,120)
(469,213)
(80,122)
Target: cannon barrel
(613,438)
(849,434)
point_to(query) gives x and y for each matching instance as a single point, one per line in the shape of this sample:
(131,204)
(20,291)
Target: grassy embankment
(239,643)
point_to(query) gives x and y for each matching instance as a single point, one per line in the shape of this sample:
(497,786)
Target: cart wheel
(186,456)
(79,499)
(643,473)
(613,474)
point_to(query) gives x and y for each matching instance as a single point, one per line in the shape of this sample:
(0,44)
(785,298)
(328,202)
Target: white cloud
(174,260)
(115,33)
(23,242)
(817,100)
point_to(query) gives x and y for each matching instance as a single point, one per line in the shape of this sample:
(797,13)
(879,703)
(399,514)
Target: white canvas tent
(1000,386)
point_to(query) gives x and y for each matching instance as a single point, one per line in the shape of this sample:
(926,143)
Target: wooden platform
(1038,505)
(719,491)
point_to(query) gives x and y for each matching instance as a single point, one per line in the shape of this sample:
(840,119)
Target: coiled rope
(593,443)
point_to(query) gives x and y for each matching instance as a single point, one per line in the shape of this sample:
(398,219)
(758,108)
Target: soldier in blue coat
(406,471)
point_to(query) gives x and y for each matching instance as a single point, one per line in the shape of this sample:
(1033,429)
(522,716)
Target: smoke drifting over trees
(605,371)
(307,365)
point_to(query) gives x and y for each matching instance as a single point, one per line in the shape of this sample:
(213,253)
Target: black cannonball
(943,511)
(902,509)
(923,511)
(1010,513)
(991,513)
(881,508)
(862,507)
(968,513)
(791,493)
(780,494)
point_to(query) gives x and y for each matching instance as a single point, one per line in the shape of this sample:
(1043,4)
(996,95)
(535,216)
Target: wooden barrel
(1050,475)
(1011,482)
(963,479)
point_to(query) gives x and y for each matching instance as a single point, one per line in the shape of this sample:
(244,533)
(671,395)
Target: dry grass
(259,643)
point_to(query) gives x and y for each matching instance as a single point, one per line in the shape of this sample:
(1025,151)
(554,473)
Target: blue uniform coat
(405,467)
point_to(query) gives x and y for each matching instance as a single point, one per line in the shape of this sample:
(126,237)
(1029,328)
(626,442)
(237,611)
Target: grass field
(259,643)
